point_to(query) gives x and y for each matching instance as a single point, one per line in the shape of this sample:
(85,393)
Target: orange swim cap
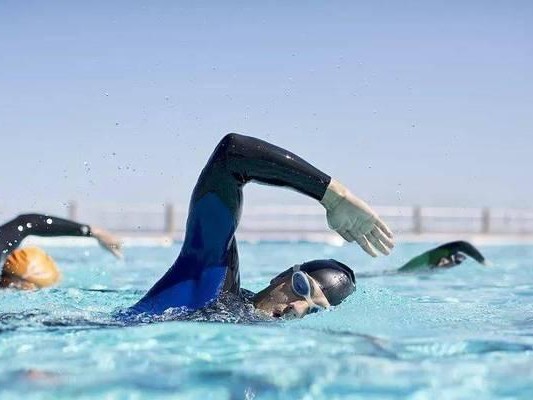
(33,265)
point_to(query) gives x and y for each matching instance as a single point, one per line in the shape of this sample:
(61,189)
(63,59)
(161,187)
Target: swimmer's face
(451,261)
(279,300)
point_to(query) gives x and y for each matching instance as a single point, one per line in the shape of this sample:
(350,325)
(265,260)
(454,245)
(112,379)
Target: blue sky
(406,102)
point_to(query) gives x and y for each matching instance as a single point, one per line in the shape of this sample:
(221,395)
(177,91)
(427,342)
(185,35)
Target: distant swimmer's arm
(13,232)
(108,241)
(46,225)
(445,256)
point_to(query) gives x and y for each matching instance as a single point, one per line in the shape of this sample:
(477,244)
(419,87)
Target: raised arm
(240,159)
(13,232)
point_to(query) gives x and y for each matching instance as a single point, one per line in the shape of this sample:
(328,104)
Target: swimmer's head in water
(329,281)
(29,268)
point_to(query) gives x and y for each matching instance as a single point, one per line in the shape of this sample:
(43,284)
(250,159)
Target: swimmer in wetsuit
(31,267)
(444,256)
(208,264)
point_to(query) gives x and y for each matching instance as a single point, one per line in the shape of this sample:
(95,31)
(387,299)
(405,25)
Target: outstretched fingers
(383,227)
(373,238)
(377,244)
(365,244)
(382,237)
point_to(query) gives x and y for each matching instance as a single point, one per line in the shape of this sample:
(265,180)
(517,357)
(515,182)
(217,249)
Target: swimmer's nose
(297,309)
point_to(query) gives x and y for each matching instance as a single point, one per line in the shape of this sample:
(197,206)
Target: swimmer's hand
(355,221)
(107,241)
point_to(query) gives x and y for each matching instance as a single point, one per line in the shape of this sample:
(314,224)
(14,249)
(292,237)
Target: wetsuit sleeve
(208,262)
(240,159)
(13,232)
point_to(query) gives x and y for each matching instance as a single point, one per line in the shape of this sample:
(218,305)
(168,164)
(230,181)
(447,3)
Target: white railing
(170,219)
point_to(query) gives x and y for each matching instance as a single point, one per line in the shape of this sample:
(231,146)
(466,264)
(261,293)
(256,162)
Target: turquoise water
(457,334)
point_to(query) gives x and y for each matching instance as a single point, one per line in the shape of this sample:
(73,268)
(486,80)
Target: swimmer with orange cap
(31,267)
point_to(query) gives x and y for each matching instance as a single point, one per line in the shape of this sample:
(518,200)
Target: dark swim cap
(336,280)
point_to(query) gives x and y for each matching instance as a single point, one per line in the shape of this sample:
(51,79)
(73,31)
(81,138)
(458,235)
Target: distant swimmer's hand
(107,241)
(355,221)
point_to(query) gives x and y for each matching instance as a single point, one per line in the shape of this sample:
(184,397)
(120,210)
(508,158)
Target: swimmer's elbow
(230,138)
(230,146)
(231,141)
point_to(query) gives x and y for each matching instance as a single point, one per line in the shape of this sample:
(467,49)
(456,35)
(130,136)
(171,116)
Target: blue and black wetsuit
(208,263)
(13,232)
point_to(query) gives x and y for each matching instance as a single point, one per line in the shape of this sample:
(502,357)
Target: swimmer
(31,267)
(445,256)
(208,265)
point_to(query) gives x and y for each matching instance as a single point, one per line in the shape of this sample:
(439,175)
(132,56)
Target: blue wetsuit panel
(198,274)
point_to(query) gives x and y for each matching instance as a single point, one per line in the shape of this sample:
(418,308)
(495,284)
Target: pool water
(462,333)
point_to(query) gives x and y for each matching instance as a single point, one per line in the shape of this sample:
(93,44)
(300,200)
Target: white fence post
(485,221)
(169,219)
(417,219)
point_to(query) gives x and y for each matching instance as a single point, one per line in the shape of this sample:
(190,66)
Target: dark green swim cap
(336,280)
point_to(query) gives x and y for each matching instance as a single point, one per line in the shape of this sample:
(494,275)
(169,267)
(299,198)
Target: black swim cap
(336,280)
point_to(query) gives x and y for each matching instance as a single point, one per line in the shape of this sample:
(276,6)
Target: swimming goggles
(301,286)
